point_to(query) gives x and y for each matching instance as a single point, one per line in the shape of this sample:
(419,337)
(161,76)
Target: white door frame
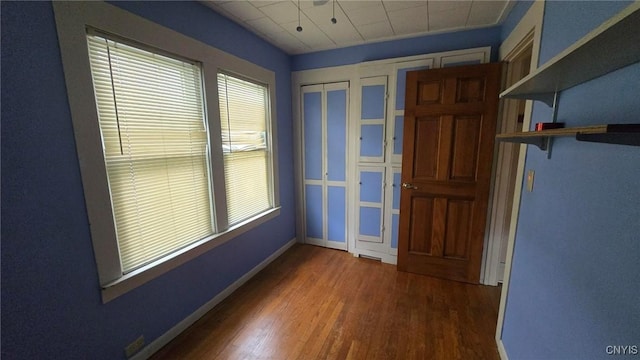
(503,176)
(531,22)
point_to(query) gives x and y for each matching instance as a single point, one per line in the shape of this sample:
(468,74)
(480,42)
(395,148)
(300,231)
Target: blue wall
(515,15)
(51,305)
(575,278)
(398,48)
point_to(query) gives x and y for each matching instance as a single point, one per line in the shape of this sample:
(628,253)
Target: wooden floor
(316,303)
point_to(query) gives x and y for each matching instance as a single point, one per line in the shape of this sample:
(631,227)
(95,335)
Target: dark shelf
(624,134)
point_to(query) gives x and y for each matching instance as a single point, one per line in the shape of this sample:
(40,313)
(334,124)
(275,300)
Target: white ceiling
(358,21)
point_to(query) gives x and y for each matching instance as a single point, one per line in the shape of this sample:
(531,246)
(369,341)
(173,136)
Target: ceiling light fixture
(299,28)
(333,19)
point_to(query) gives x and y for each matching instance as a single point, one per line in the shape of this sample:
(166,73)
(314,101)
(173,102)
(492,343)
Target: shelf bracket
(541,142)
(554,106)
(547,98)
(554,118)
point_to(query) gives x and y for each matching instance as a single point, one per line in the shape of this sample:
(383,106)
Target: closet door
(392,214)
(370,214)
(324,114)
(336,164)
(373,105)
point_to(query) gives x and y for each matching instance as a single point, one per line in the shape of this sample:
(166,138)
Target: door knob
(409,186)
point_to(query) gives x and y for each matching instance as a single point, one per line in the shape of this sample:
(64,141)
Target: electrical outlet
(134,347)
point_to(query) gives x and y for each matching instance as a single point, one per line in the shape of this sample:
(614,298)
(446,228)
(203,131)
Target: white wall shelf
(609,47)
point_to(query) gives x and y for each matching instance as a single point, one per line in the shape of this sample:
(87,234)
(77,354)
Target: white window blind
(151,117)
(244,116)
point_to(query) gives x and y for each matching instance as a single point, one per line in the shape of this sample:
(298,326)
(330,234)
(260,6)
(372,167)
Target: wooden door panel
(449,126)
(440,226)
(458,228)
(457,189)
(452,269)
(470,90)
(430,92)
(421,225)
(448,109)
(466,137)
(427,130)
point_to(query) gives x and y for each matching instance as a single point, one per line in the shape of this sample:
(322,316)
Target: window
(243,116)
(150,111)
(175,139)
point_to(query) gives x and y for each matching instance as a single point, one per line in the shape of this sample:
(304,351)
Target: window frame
(269,136)
(73,19)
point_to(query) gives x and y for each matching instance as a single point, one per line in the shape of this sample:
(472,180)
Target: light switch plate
(530,176)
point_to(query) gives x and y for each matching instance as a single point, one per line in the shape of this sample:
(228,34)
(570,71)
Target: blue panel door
(336,213)
(336,135)
(371,140)
(370,225)
(398,128)
(396,186)
(314,211)
(373,100)
(371,203)
(395,221)
(312,121)
(371,186)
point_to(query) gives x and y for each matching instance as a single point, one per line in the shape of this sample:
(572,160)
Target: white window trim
(72,20)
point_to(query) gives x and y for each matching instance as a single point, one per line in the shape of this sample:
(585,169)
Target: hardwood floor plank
(316,303)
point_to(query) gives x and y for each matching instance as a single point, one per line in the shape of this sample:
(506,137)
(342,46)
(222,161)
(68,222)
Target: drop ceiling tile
(485,12)
(242,10)
(323,13)
(264,25)
(352,5)
(311,35)
(281,12)
(376,31)
(437,6)
(307,4)
(288,42)
(393,5)
(450,19)
(368,15)
(342,33)
(261,3)
(410,21)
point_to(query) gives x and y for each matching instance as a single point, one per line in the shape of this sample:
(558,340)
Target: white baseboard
(165,338)
(501,350)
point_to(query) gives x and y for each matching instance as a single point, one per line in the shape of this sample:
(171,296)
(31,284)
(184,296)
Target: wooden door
(449,129)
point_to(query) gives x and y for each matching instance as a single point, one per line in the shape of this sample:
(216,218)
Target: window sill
(149,272)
